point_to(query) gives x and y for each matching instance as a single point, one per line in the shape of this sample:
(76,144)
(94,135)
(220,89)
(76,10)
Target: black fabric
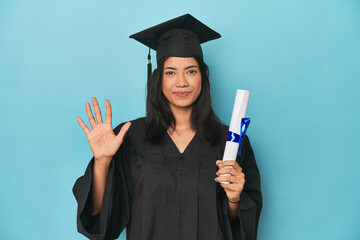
(178,37)
(178,43)
(158,193)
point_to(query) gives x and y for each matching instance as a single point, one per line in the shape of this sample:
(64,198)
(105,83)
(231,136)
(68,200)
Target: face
(181,81)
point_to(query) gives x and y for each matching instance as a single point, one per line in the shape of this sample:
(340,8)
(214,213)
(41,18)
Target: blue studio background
(299,59)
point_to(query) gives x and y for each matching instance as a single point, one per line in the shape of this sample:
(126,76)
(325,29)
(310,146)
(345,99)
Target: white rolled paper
(239,112)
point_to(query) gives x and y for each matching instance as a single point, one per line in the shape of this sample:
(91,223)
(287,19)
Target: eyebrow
(192,66)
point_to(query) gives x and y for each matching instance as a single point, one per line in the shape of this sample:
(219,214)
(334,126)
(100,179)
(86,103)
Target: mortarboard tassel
(149,68)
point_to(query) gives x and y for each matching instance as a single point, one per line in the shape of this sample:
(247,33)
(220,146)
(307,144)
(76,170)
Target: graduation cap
(178,37)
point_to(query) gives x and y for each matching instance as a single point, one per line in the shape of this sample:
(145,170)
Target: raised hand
(102,140)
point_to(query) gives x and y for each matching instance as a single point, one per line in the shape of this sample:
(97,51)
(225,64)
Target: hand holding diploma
(236,179)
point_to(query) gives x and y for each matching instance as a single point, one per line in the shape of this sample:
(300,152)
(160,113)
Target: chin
(182,105)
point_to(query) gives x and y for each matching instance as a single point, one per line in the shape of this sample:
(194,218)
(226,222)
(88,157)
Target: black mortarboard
(178,37)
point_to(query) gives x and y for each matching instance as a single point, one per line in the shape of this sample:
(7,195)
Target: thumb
(123,130)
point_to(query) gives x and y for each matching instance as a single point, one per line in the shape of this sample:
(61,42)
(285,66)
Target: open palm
(102,140)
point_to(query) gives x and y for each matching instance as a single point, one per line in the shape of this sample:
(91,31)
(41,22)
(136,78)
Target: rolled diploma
(239,111)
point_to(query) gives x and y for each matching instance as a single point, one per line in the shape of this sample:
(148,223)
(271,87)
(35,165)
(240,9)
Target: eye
(192,71)
(169,73)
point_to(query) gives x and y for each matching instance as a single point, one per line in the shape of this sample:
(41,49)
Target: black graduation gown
(158,193)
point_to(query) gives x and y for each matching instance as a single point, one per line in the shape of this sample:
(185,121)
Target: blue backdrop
(299,59)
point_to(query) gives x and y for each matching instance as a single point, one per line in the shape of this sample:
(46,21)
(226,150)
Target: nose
(181,81)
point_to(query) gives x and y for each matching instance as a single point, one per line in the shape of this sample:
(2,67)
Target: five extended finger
(108,117)
(97,110)
(83,125)
(90,115)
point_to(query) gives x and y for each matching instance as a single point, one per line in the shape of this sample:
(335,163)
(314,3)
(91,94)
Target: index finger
(231,163)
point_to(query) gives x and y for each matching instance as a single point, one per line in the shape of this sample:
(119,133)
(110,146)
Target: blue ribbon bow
(237,138)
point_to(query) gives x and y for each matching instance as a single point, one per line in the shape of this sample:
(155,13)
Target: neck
(182,118)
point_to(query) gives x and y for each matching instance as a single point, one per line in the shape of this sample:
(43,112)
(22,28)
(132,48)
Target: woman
(160,176)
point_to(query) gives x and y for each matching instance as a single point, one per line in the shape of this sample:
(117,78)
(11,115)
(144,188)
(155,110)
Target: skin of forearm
(100,172)
(233,210)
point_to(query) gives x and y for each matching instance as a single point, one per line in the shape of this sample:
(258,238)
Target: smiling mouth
(182,94)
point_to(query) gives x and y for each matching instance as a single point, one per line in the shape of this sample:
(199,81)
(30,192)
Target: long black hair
(159,116)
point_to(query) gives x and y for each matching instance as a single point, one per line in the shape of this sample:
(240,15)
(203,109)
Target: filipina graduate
(160,176)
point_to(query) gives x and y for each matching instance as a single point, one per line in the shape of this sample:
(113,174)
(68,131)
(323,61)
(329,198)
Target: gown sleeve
(115,208)
(245,228)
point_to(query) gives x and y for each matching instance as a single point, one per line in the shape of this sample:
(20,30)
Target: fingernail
(215,179)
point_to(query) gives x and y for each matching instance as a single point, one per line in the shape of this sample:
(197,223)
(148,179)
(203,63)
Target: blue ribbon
(237,138)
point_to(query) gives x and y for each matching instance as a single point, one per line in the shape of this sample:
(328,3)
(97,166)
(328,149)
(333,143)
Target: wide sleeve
(245,228)
(115,208)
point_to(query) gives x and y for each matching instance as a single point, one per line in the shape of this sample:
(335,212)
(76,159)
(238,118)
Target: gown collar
(193,145)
